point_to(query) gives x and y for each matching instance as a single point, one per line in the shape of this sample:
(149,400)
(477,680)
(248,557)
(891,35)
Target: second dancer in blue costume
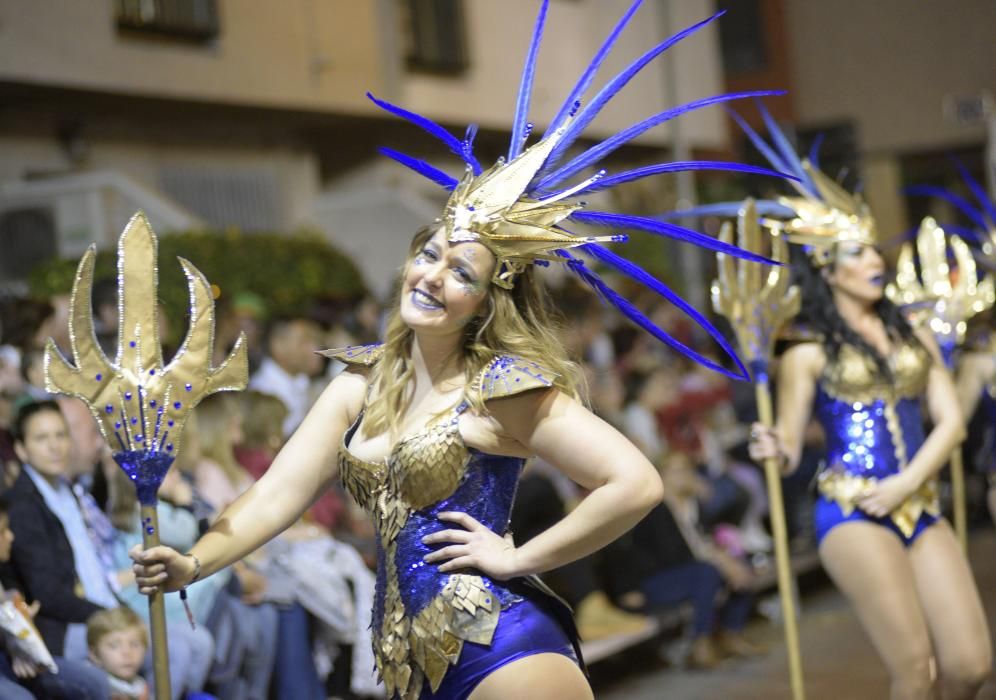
(870,379)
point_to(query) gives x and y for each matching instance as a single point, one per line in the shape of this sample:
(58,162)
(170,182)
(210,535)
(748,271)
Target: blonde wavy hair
(214,417)
(516,322)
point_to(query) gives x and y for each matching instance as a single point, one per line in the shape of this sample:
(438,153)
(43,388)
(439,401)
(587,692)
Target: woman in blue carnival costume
(429,431)
(867,375)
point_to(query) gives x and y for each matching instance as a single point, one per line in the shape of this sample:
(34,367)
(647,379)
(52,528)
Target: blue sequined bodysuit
(873,427)
(423,618)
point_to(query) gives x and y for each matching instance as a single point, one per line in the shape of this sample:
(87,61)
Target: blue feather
(781,142)
(765,207)
(589,73)
(962,204)
(589,112)
(814,150)
(468,142)
(978,190)
(663,228)
(421,167)
(675,167)
(596,153)
(426,124)
(526,86)
(760,144)
(627,308)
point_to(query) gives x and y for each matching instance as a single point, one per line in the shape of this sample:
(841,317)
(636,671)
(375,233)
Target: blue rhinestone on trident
(140,404)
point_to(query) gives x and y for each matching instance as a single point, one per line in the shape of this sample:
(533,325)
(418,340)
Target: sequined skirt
(839,486)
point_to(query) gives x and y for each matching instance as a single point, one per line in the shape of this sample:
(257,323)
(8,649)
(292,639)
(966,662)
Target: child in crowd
(117,642)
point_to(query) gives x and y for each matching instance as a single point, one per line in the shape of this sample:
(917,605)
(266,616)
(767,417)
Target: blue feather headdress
(521,207)
(981,235)
(821,214)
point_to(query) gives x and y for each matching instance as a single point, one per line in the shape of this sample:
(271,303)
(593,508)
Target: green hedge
(287,271)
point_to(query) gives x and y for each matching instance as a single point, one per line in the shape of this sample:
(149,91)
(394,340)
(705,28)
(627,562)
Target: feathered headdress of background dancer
(521,207)
(981,235)
(823,213)
(951,295)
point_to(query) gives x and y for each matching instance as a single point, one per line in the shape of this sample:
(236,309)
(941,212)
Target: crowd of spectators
(292,619)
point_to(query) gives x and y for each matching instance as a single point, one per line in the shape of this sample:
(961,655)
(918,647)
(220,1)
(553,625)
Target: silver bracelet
(197,567)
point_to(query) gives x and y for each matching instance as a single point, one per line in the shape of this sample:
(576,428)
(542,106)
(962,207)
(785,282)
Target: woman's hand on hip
(886,495)
(161,569)
(473,547)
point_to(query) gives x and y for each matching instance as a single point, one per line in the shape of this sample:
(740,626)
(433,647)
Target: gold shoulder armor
(508,375)
(365,355)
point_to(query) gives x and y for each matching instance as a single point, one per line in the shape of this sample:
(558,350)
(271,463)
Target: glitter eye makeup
(471,287)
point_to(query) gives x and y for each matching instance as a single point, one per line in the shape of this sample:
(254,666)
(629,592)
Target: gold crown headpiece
(822,214)
(493,209)
(833,216)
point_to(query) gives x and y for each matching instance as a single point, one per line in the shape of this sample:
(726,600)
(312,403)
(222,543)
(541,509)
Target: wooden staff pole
(157,611)
(757,303)
(779,531)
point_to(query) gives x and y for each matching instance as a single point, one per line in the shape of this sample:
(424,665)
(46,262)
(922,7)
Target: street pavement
(838,660)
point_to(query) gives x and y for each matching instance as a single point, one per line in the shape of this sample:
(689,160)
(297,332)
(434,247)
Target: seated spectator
(33,374)
(245,312)
(53,559)
(22,678)
(646,393)
(262,437)
(118,641)
(11,385)
(672,562)
(287,369)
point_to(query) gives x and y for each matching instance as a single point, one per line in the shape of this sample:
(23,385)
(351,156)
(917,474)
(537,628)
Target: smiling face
(858,272)
(445,285)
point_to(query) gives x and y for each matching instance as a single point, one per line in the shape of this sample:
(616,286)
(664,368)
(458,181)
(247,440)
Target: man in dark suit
(53,560)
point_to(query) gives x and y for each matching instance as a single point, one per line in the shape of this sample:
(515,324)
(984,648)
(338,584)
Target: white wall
(888,64)
(500,34)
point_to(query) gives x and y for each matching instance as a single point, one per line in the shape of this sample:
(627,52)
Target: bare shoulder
(521,413)
(804,359)
(345,395)
(929,342)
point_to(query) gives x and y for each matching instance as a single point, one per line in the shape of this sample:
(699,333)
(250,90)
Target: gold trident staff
(948,304)
(758,302)
(140,405)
